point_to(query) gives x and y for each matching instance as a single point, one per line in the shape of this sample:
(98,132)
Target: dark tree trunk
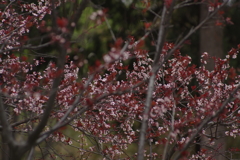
(5,151)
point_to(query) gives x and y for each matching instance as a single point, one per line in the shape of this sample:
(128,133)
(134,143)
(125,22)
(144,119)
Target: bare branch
(110,29)
(172,130)
(26,47)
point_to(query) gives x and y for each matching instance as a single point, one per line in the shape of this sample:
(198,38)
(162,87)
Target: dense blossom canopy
(105,107)
(184,96)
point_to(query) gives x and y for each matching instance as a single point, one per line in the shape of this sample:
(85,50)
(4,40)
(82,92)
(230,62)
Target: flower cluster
(184,95)
(15,22)
(114,96)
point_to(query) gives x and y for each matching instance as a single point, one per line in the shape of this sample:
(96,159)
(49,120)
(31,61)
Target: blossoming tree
(155,107)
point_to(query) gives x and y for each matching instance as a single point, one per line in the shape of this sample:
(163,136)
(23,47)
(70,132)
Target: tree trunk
(211,36)
(5,151)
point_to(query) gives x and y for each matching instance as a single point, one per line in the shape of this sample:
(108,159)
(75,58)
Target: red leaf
(105,10)
(62,128)
(89,102)
(238,46)
(118,43)
(140,44)
(53,65)
(24,58)
(153,103)
(97,63)
(29,24)
(218,23)
(147,25)
(79,124)
(221,12)
(193,87)
(67,140)
(62,22)
(168,3)
(232,73)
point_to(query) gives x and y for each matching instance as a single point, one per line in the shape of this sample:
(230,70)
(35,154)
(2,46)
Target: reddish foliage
(168,3)
(62,22)
(147,25)
(106,105)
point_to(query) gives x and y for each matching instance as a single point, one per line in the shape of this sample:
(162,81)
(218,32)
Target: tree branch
(60,65)
(166,17)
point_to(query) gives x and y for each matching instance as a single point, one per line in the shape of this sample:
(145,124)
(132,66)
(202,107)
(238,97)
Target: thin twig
(110,29)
